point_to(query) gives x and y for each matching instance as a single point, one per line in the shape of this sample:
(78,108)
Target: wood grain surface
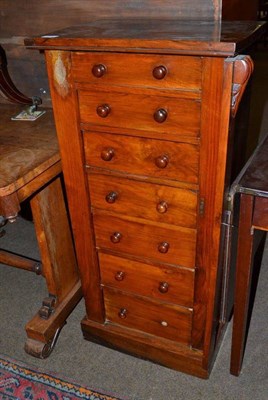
(128,110)
(143,239)
(146,279)
(165,320)
(138,156)
(137,70)
(142,200)
(27,149)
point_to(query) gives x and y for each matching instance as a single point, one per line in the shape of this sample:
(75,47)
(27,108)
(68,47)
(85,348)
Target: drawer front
(143,200)
(178,161)
(168,284)
(159,319)
(140,112)
(168,244)
(137,70)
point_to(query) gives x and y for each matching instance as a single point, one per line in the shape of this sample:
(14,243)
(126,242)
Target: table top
(155,35)
(254,176)
(27,148)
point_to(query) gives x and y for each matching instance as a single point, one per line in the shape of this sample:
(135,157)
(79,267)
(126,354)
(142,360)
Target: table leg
(59,269)
(243,281)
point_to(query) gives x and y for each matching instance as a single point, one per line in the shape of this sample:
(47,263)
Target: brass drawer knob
(122,313)
(163,247)
(163,287)
(119,276)
(162,161)
(159,72)
(98,70)
(160,115)
(111,197)
(162,207)
(107,154)
(103,110)
(116,237)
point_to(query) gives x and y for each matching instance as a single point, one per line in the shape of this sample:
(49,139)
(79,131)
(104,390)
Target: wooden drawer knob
(103,110)
(111,197)
(98,70)
(116,237)
(160,115)
(163,247)
(107,154)
(162,207)
(119,276)
(163,287)
(122,313)
(159,72)
(162,161)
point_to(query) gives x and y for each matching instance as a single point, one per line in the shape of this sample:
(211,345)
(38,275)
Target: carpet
(21,382)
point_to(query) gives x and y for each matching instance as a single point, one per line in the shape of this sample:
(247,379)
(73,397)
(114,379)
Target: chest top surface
(154,35)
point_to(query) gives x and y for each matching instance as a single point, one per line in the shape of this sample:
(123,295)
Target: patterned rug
(20,382)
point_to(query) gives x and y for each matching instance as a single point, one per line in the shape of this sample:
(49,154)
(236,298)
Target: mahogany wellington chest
(143,110)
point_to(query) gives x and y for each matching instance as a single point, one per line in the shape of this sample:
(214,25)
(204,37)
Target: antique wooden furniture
(252,187)
(142,110)
(30,168)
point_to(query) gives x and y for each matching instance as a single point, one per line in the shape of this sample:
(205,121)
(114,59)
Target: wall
(20,19)
(240,10)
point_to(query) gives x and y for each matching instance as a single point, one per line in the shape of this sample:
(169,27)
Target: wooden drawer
(178,161)
(169,284)
(160,319)
(138,111)
(143,200)
(164,243)
(138,70)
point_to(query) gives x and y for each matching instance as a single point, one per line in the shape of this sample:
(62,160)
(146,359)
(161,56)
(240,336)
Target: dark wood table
(30,168)
(252,185)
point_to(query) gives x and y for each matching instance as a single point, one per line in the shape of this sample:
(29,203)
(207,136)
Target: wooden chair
(30,168)
(252,187)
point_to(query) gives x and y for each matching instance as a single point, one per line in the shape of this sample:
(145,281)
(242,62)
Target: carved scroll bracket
(243,68)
